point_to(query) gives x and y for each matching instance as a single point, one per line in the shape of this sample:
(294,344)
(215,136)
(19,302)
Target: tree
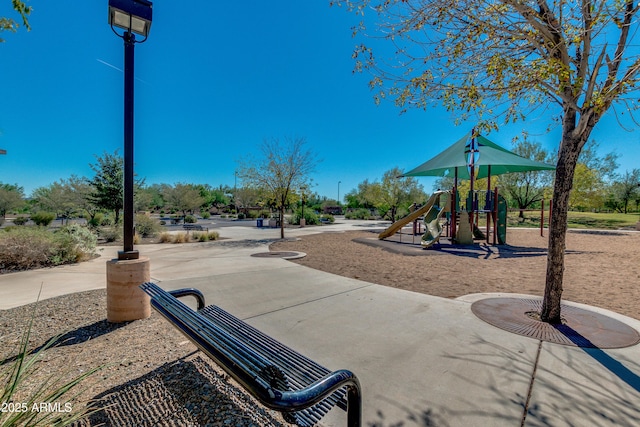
(215,197)
(81,193)
(58,198)
(624,190)
(8,24)
(396,192)
(527,188)
(283,168)
(108,183)
(11,197)
(605,166)
(591,175)
(362,197)
(587,191)
(183,197)
(502,60)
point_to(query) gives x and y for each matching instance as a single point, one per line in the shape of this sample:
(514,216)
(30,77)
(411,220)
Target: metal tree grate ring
(579,328)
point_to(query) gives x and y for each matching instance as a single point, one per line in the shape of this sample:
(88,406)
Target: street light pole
(129,227)
(125,300)
(133,16)
(339,182)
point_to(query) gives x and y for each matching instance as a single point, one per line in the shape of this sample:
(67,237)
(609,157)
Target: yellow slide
(397,226)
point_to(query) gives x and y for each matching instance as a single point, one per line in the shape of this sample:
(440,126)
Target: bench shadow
(182,392)
(74,337)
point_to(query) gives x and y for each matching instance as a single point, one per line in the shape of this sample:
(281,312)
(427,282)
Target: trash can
(259,222)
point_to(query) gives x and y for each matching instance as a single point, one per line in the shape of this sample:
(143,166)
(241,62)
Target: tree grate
(579,327)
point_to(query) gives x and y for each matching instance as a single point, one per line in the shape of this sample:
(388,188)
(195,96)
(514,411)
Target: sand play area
(602,268)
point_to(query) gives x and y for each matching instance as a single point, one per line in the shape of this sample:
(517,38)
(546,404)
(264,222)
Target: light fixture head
(131,15)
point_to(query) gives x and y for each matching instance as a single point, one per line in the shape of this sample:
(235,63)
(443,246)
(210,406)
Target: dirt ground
(602,268)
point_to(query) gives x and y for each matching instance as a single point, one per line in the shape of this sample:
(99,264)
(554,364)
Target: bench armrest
(287,401)
(178,293)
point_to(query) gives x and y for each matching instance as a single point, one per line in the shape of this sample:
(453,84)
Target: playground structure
(460,224)
(471,157)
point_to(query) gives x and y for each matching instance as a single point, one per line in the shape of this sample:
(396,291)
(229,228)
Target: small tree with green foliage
(623,191)
(11,197)
(527,188)
(183,197)
(108,183)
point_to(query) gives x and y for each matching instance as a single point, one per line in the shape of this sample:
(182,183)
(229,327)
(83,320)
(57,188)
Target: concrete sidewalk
(421,360)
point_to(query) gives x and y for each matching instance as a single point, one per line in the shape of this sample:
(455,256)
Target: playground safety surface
(579,328)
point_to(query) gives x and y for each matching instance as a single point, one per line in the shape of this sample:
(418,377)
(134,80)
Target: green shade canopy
(488,154)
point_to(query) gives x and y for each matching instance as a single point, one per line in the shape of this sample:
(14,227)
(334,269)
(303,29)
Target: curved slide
(424,210)
(432,224)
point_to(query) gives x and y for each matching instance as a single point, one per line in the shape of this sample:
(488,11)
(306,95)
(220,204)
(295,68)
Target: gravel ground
(152,376)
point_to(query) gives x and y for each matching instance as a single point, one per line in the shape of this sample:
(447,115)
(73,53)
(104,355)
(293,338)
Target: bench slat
(231,346)
(263,365)
(300,370)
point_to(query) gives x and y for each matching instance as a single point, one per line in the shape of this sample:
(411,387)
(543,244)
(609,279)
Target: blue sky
(213,81)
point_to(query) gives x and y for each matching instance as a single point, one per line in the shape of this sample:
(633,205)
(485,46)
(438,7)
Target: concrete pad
(413,354)
(589,387)
(254,292)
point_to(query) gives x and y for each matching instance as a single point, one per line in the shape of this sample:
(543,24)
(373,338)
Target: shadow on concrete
(564,388)
(614,366)
(179,393)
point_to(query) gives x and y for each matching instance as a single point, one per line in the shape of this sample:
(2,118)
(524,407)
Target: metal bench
(279,377)
(193,227)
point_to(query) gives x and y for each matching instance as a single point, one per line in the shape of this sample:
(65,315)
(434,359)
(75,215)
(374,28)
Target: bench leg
(354,406)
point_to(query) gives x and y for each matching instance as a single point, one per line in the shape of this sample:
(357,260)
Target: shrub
(310,217)
(73,243)
(111,234)
(190,219)
(241,215)
(43,219)
(107,221)
(327,218)
(181,238)
(213,235)
(21,220)
(147,226)
(166,237)
(358,214)
(24,248)
(96,221)
(206,215)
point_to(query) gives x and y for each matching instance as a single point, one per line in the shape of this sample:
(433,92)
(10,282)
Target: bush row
(23,248)
(196,236)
